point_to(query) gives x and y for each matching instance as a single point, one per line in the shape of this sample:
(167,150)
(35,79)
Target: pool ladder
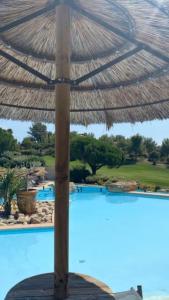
(79,189)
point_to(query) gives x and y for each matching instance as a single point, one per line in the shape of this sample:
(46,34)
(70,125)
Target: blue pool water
(120,239)
(45,195)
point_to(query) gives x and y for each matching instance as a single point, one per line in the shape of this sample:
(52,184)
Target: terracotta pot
(26,202)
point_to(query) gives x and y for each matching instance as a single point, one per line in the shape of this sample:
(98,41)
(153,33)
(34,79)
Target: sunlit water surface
(120,239)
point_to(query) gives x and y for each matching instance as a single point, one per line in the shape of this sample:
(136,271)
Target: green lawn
(144,173)
(49,160)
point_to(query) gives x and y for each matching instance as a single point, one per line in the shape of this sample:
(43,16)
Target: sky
(158,130)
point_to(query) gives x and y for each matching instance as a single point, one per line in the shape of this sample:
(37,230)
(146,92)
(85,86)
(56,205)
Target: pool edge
(28,226)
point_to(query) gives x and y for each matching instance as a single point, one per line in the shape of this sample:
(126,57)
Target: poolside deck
(81,287)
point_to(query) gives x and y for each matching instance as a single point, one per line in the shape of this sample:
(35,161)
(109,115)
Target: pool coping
(150,194)
(28,226)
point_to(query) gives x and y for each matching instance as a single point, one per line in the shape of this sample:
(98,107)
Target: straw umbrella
(99,61)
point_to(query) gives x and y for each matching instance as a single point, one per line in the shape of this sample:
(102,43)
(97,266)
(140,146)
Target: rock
(35,220)
(122,186)
(51,209)
(5,221)
(72,187)
(40,215)
(21,220)
(45,210)
(44,214)
(20,215)
(51,203)
(39,211)
(53,217)
(12,222)
(47,219)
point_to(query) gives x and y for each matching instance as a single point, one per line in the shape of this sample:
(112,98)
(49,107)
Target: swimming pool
(47,194)
(120,239)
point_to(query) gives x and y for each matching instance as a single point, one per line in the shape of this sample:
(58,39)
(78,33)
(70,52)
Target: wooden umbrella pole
(62,151)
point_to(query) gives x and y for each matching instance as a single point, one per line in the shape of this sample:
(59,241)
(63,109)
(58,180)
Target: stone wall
(122,186)
(50,173)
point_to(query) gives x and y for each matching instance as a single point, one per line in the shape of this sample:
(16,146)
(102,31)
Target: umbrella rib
(27,85)
(29,17)
(159,7)
(121,107)
(25,67)
(117,31)
(162,101)
(124,83)
(107,65)
(30,85)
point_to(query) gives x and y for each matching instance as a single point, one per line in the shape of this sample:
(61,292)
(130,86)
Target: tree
(78,172)
(77,146)
(27,143)
(105,138)
(98,154)
(154,157)
(39,132)
(136,146)
(149,146)
(122,143)
(165,148)
(167,162)
(7,141)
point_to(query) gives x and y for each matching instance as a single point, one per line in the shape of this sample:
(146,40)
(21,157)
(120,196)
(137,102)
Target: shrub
(111,180)
(78,173)
(157,188)
(101,180)
(49,151)
(29,152)
(97,179)
(27,161)
(91,179)
(5,162)
(34,161)
(146,188)
(9,186)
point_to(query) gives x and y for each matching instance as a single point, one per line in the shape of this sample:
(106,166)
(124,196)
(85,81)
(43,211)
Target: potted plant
(26,197)
(9,186)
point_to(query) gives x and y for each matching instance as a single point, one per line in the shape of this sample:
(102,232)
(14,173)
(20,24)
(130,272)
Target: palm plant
(10,184)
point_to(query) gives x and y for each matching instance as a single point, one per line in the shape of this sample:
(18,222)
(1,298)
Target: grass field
(49,160)
(144,173)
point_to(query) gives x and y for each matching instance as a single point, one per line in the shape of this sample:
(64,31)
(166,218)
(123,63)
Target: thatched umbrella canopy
(132,37)
(86,62)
